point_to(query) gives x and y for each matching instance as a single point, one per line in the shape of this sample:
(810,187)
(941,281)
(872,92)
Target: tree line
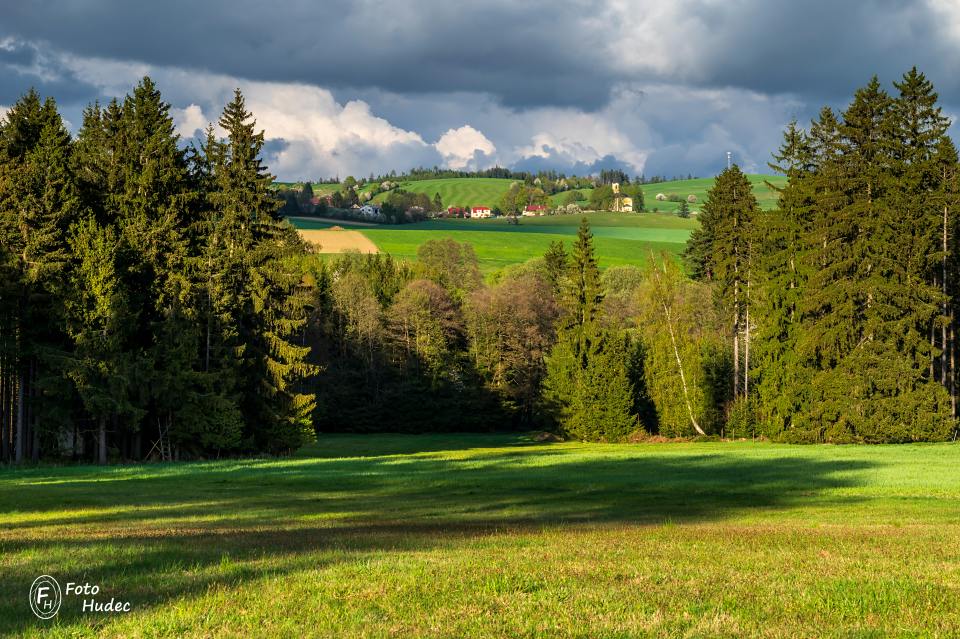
(829,319)
(153,303)
(840,306)
(149,295)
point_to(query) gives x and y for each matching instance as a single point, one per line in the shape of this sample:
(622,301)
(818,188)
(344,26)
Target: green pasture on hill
(459,191)
(619,238)
(766,196)
(496,536)
(488,191)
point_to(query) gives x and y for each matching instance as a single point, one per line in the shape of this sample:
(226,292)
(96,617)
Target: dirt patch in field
(338,240)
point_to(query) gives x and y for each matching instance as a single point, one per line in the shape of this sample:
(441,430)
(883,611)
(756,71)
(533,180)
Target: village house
(370,210)
(481,211)
(621,203)
(534,209)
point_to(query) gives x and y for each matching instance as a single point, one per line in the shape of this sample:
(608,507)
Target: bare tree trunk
(18,443)
(4,407)
(34,431)
(933,358)
(736,356)
(102,441)
(943,336)
(746,345)
(683,378)
(953,369)
(676,353)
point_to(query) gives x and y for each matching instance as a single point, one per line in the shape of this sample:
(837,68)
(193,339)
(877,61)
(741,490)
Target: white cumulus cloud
(460,147)
(189,120)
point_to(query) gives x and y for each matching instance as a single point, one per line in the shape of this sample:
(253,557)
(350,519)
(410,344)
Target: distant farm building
(481,211)
(455,211)
(370,210)
(621,203)
(534,209)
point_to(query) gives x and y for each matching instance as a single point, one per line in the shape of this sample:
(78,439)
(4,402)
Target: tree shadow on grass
(162,533)
(380,444)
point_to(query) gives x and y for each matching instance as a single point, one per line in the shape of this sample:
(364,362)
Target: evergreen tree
(782,273)
(868,309)
(555,264)
(588,386)
(252,250)
(100,321)
(38,203)
(722,251)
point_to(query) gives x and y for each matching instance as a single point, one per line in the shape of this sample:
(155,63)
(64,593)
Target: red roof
(481,208)
(536,207)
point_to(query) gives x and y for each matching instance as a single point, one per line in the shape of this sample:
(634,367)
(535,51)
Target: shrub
(692,199)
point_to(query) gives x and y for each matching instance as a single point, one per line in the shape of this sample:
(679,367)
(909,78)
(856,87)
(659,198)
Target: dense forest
(149,300)
(153,303)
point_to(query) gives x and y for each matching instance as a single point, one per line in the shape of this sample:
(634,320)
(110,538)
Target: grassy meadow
(496,535)
(459,191)
(766,196)
(488,191)
(619,238)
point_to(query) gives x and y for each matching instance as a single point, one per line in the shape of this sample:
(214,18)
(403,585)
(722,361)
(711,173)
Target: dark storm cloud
(22,65)
(524,53)
(823,48)
(663,87)
(558,162)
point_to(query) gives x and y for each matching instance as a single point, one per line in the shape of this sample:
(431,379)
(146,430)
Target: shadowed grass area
(484,535)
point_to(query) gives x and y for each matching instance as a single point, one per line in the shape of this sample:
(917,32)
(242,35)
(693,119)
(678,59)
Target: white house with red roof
(534,209)
(481,211)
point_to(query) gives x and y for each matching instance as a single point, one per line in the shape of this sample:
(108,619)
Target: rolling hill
(488,191)
(619,238)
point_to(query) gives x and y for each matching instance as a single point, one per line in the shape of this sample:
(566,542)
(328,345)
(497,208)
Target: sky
(353,87)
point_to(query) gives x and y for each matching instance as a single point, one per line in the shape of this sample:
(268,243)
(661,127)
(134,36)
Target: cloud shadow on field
(156,533)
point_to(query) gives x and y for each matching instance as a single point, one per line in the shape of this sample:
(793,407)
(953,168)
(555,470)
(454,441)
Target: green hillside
(766,196)
(488,191)
(619,238)
(459,191)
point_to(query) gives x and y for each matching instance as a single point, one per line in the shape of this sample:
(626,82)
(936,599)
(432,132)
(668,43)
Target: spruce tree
(781,274)
(869,307)
(588,387)
(253,249)
(722,251)
(104,370)
(38,203)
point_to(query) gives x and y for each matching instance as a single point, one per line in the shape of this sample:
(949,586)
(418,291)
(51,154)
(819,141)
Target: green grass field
(459,191)
(483,536)
(618,238)
(766,196)
(488,191)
